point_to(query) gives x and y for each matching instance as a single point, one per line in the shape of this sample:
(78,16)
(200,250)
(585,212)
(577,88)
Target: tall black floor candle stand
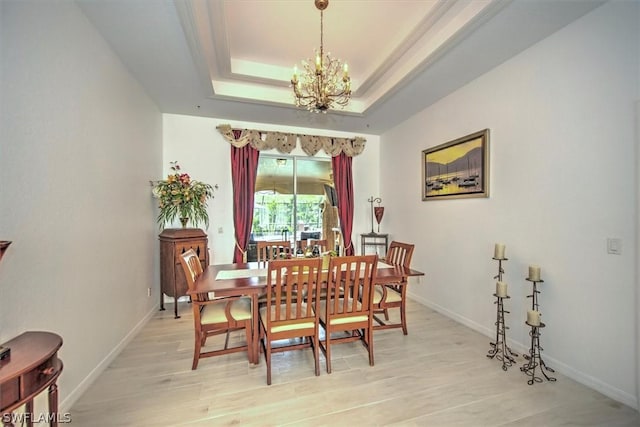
(535,357)
(499,348)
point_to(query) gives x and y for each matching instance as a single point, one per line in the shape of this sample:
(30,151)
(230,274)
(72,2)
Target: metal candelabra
(499,349)
(534,358)
(371,200)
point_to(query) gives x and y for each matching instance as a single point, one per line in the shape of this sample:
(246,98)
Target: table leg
(254,354)
(53,404)
(28,412)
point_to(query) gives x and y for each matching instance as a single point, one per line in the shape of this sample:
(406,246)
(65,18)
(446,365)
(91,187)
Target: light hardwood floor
(438,375)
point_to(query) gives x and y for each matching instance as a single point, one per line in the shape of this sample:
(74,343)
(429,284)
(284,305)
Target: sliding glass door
(294,199)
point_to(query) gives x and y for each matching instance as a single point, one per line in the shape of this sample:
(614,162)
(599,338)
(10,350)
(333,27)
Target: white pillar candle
(498,252)
(501,289)
(534,273)
(533,317)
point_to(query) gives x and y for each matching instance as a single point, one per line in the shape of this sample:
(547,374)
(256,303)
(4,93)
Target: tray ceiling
(233,59)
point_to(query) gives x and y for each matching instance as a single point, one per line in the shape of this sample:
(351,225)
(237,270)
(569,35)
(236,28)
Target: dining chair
(291,309)
(347,308)
(269,250)
(393,295)
(215,316)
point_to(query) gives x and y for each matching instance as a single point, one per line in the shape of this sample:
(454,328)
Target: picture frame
(457,169)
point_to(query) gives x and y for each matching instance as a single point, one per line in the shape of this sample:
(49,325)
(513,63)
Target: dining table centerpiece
(326,257)
(181,197)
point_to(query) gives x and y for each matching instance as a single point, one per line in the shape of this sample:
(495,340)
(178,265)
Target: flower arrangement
(181,197)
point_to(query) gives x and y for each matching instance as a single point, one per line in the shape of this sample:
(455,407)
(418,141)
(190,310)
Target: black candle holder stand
(499,349)
(500,269)
(534,358)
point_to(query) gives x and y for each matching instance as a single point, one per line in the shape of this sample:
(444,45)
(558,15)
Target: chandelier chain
(321,36)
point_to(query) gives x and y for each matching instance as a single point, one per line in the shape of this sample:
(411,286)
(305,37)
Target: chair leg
(267,358)
(226,340)
(266,348)
(369,334)
(316,353)
(327,346)
(386,314)
(403,318)
(250,349)
(196,350)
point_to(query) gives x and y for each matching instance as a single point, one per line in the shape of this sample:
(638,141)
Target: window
(291,196)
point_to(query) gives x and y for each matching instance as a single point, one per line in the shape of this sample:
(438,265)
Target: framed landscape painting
(457,169)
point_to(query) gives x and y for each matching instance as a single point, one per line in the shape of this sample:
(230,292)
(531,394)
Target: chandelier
(323,83)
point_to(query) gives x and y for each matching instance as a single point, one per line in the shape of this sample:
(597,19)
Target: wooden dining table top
(255,284)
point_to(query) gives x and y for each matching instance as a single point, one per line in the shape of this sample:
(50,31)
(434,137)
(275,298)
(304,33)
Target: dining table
(250,279)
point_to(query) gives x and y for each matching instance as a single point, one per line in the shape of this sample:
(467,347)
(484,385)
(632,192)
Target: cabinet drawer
(9,393)
(199,246)
(38,377)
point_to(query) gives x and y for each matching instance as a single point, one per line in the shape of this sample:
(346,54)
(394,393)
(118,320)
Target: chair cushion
(341,320)
(215,312)
(305,322)
(392,295)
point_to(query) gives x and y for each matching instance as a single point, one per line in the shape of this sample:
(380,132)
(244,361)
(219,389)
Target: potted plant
(181,197)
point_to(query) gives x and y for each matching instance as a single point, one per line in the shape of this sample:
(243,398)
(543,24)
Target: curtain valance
(286,142)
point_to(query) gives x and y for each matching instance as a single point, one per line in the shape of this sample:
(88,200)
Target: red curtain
(343,181)
(244,169)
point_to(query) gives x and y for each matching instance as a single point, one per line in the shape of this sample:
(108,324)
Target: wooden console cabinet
(31,367)
(173,243)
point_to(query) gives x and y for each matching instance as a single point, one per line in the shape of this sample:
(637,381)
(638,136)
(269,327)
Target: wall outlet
(220,230)
(148,292)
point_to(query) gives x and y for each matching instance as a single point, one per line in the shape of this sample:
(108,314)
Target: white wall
(203,153)
(80,142)
(562,119)
(637,179)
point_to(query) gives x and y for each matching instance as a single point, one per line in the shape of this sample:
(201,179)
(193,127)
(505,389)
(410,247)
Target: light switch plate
(614,246)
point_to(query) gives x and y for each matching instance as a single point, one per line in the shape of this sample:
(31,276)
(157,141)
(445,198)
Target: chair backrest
(399,254)
(320,243)
(192,270)
(268,251)
(292,291)
(349,285)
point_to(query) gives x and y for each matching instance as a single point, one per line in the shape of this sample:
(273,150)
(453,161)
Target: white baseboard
(68,402)
(566,370)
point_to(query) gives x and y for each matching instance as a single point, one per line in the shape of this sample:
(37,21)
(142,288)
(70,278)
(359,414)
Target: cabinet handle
(48,371)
